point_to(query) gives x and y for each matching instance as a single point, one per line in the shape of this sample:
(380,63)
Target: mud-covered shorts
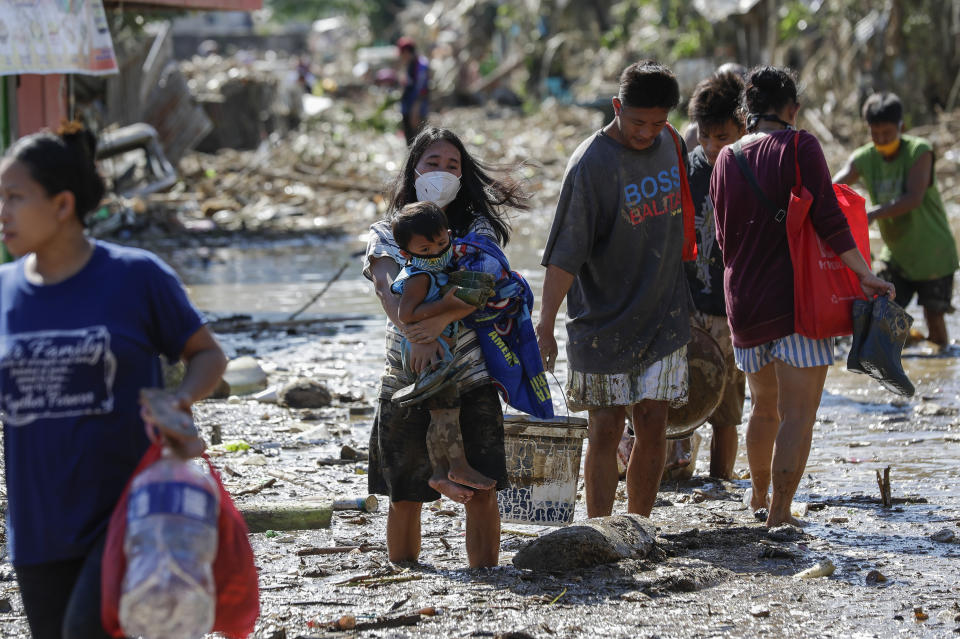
(933,295)
(664,380)
(399,464)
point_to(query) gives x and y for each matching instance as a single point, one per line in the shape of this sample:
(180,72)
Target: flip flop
(429,383)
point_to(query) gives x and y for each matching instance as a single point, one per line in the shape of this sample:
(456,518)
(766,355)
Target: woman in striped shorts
(785,370)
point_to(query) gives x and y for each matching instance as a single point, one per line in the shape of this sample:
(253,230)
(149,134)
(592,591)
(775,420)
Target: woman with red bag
(82,326)
(785,370)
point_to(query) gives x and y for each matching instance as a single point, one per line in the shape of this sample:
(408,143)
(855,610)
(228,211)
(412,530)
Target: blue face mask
(433,263)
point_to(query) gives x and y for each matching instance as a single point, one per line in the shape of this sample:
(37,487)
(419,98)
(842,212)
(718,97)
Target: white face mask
(439,187)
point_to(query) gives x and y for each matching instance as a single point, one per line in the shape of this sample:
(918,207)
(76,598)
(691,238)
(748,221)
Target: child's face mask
(433,263)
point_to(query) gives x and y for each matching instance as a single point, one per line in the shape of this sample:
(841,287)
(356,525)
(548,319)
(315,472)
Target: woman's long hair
(480,195)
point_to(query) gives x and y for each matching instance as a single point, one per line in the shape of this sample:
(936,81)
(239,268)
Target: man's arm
(848,174)
(556,284)
(918,180)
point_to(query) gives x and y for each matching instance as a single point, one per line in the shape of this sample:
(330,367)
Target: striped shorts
(796,350)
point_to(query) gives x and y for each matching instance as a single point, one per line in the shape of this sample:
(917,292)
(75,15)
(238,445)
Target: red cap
(405,44)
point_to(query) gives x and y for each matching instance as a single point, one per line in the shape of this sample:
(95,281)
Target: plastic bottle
(170,544)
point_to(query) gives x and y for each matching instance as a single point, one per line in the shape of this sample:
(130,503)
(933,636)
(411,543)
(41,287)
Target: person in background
(614,252)
(415,100)
(785,370)
(690,132)
(715,109)
(919,253)
(82,326)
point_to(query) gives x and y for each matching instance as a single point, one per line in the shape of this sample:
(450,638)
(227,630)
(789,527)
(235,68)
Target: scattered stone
(785,532)
(948,616)
(875,577)
(935,410)
(222,391)
(593,542)
(635,597)
(919,614)
(838,520)
(770,550)
(245,376)
(351,453)
(700,494)
(760,611)
(305,393)
(5,606)
(944,536)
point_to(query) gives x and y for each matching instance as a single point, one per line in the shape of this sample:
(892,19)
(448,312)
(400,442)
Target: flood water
(861,426)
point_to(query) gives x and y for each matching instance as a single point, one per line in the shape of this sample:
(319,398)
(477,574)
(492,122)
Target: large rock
(596,541)
(304,393)
(245,376)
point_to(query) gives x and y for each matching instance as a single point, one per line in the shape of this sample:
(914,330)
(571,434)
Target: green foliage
(487,65)
(614,37)
(688,45)
(795,17)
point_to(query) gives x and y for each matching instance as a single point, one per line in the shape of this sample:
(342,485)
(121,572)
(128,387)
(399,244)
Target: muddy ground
(717,574)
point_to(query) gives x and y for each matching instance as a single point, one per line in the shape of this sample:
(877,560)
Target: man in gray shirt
(614,252)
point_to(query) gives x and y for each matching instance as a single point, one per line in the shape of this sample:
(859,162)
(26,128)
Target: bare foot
(793,521)
(752,502)
(679,454)
(451,490)
(468,476)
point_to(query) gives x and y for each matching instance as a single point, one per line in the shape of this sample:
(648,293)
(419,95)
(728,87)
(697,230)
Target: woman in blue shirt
(82,325)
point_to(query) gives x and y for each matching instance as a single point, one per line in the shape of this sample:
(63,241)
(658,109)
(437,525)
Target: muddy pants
(399,464)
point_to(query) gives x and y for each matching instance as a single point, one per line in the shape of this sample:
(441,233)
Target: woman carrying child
(438,169)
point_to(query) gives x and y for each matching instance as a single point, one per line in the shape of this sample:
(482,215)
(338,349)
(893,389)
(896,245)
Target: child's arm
(412,307)
(918,180)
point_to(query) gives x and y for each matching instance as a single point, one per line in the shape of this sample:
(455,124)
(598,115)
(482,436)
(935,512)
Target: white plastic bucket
(543,466)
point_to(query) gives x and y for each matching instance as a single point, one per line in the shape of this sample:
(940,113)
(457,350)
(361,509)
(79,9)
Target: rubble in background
(333,173)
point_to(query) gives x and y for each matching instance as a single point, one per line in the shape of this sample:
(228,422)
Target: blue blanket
(505,330)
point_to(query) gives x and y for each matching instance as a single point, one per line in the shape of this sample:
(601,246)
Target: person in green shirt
(919,249)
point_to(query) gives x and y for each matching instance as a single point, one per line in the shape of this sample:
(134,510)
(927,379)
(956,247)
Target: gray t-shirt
(619,229)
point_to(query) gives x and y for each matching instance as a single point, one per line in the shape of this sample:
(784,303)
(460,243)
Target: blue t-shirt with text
(73,358)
